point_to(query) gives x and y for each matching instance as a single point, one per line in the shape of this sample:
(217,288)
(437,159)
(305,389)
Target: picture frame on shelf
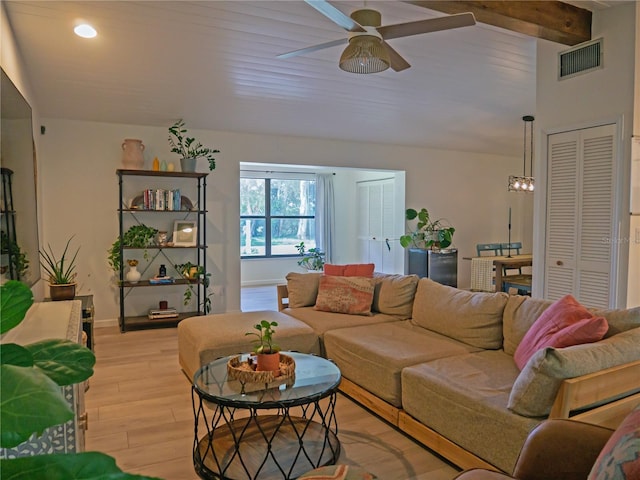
(185,233)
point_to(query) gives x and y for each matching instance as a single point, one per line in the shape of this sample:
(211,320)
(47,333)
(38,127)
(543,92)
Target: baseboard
(262,283)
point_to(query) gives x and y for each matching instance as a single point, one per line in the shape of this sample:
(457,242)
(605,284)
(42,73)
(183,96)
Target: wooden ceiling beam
(551,20)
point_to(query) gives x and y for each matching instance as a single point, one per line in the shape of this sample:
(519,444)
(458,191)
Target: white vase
(132,157)
(133,275)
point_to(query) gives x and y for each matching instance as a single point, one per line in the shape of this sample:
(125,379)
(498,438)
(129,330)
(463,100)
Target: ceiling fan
(368,50)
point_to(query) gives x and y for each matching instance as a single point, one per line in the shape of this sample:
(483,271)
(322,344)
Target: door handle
(559,263)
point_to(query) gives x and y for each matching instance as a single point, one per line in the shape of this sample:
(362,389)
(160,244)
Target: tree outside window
(275,215)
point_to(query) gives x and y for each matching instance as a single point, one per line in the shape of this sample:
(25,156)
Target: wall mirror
(18,207)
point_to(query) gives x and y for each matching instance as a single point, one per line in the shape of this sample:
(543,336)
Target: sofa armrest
(619,382)
(283,297)
(560,449)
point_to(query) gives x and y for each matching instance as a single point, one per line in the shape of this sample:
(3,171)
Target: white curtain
(325,218)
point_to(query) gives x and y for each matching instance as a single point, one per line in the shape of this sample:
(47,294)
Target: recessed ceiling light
(85,30)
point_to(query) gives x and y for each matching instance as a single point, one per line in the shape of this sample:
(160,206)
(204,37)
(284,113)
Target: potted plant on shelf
(267,353)
(137,236)
(189,148)
(15,256)
(312,259)
(61,272)
(192,272)
(429,248)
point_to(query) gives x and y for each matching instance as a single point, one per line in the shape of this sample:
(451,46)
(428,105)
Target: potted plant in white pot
(62,285)
(189,148)
(429,247)
(267,352)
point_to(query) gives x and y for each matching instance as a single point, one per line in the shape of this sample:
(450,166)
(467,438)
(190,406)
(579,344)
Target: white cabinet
(46,320)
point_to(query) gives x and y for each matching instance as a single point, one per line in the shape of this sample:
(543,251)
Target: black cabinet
(154,199)
(439,265)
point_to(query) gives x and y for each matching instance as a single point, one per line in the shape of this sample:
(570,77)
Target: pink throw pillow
(566,322)
(352,295)
(350,270)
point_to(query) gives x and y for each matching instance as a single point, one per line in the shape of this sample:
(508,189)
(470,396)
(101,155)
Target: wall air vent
(580,59)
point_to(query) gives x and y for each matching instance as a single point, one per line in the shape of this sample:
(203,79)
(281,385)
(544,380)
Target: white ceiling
(214,64)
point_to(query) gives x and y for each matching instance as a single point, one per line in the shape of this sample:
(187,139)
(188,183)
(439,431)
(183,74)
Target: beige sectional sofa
(437,362)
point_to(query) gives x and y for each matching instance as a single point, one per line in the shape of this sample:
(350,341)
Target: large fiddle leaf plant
(31,398)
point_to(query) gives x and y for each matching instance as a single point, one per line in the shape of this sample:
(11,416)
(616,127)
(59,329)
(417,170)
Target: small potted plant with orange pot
(267,352)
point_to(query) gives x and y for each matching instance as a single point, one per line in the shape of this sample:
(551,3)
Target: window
(276,214)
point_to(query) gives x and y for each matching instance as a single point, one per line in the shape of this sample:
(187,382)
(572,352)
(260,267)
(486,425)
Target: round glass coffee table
(278,430)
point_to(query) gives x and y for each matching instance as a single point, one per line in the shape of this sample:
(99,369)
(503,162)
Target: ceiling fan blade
(397,62)
(313,48)
(335,15)
(426,26)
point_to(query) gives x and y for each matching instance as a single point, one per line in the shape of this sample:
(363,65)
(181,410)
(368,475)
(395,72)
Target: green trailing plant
(17,257)
(137,236)
(428,233)
(191,271)
(312,259)
(61,271)
(32,400)
(264,342)
(188,147)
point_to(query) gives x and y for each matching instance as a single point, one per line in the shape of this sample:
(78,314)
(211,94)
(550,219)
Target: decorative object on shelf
(163,166)
(162,272)
(267,352)
(162,239)
(137,236)
(525,183)
(133,275)
(188,148)
(61,272)
(312,259)
(190,271)
(246,371)
(163,304)
(132,154)
(170,167)
(185,233)
(427,234)
(156,164)
(32,376)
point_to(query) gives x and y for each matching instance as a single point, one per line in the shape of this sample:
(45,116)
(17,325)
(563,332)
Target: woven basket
(243,372)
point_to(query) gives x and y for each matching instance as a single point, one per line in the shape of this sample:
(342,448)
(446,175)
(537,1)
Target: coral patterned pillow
(565,323)
(350,270)
(620,457)
(352,295)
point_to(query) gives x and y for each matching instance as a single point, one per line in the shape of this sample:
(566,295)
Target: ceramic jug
(132,157)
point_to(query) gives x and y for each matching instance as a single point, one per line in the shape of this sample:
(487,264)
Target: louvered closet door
(580,223)
(376,206)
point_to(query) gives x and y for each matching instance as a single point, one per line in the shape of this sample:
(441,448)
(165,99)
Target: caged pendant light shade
(365,54)
(524,183)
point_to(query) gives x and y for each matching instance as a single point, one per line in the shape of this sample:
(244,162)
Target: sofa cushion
(620,320)
(620,457)
(566,322)
(394,294)
(464,398)
(302,289)
(352,295)
(205,338)
(350,270)
(474,318)
(374,356)
(535,389)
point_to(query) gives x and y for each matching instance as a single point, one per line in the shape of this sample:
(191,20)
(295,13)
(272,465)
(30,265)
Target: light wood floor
(140,412)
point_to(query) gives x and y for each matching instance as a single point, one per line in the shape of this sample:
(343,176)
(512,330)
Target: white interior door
(580,240)
(376,204)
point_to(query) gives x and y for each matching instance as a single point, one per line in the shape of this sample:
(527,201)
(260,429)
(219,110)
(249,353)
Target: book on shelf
(156,316)
(161,280)
(157,311)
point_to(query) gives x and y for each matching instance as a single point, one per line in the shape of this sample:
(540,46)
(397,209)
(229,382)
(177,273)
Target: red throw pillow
(566,322)
(352,295)
(350,270)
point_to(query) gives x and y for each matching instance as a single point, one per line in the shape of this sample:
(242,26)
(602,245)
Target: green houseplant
(189,148)
(36,372)
(427,233)
(194,272)
(61,271)
(312,259)
(17,257)
(267,352)
(137,236)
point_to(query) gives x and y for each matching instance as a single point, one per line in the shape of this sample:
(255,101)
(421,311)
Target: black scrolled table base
(237,443)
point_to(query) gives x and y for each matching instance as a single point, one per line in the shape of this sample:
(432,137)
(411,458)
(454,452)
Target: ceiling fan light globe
(365,54)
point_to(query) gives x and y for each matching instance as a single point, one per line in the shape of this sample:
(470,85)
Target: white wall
(602,96)
(80,193)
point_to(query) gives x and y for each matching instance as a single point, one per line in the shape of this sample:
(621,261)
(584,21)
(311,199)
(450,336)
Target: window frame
(267,217)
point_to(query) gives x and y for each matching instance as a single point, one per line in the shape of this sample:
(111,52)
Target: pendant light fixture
(525,183)
(365,52)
